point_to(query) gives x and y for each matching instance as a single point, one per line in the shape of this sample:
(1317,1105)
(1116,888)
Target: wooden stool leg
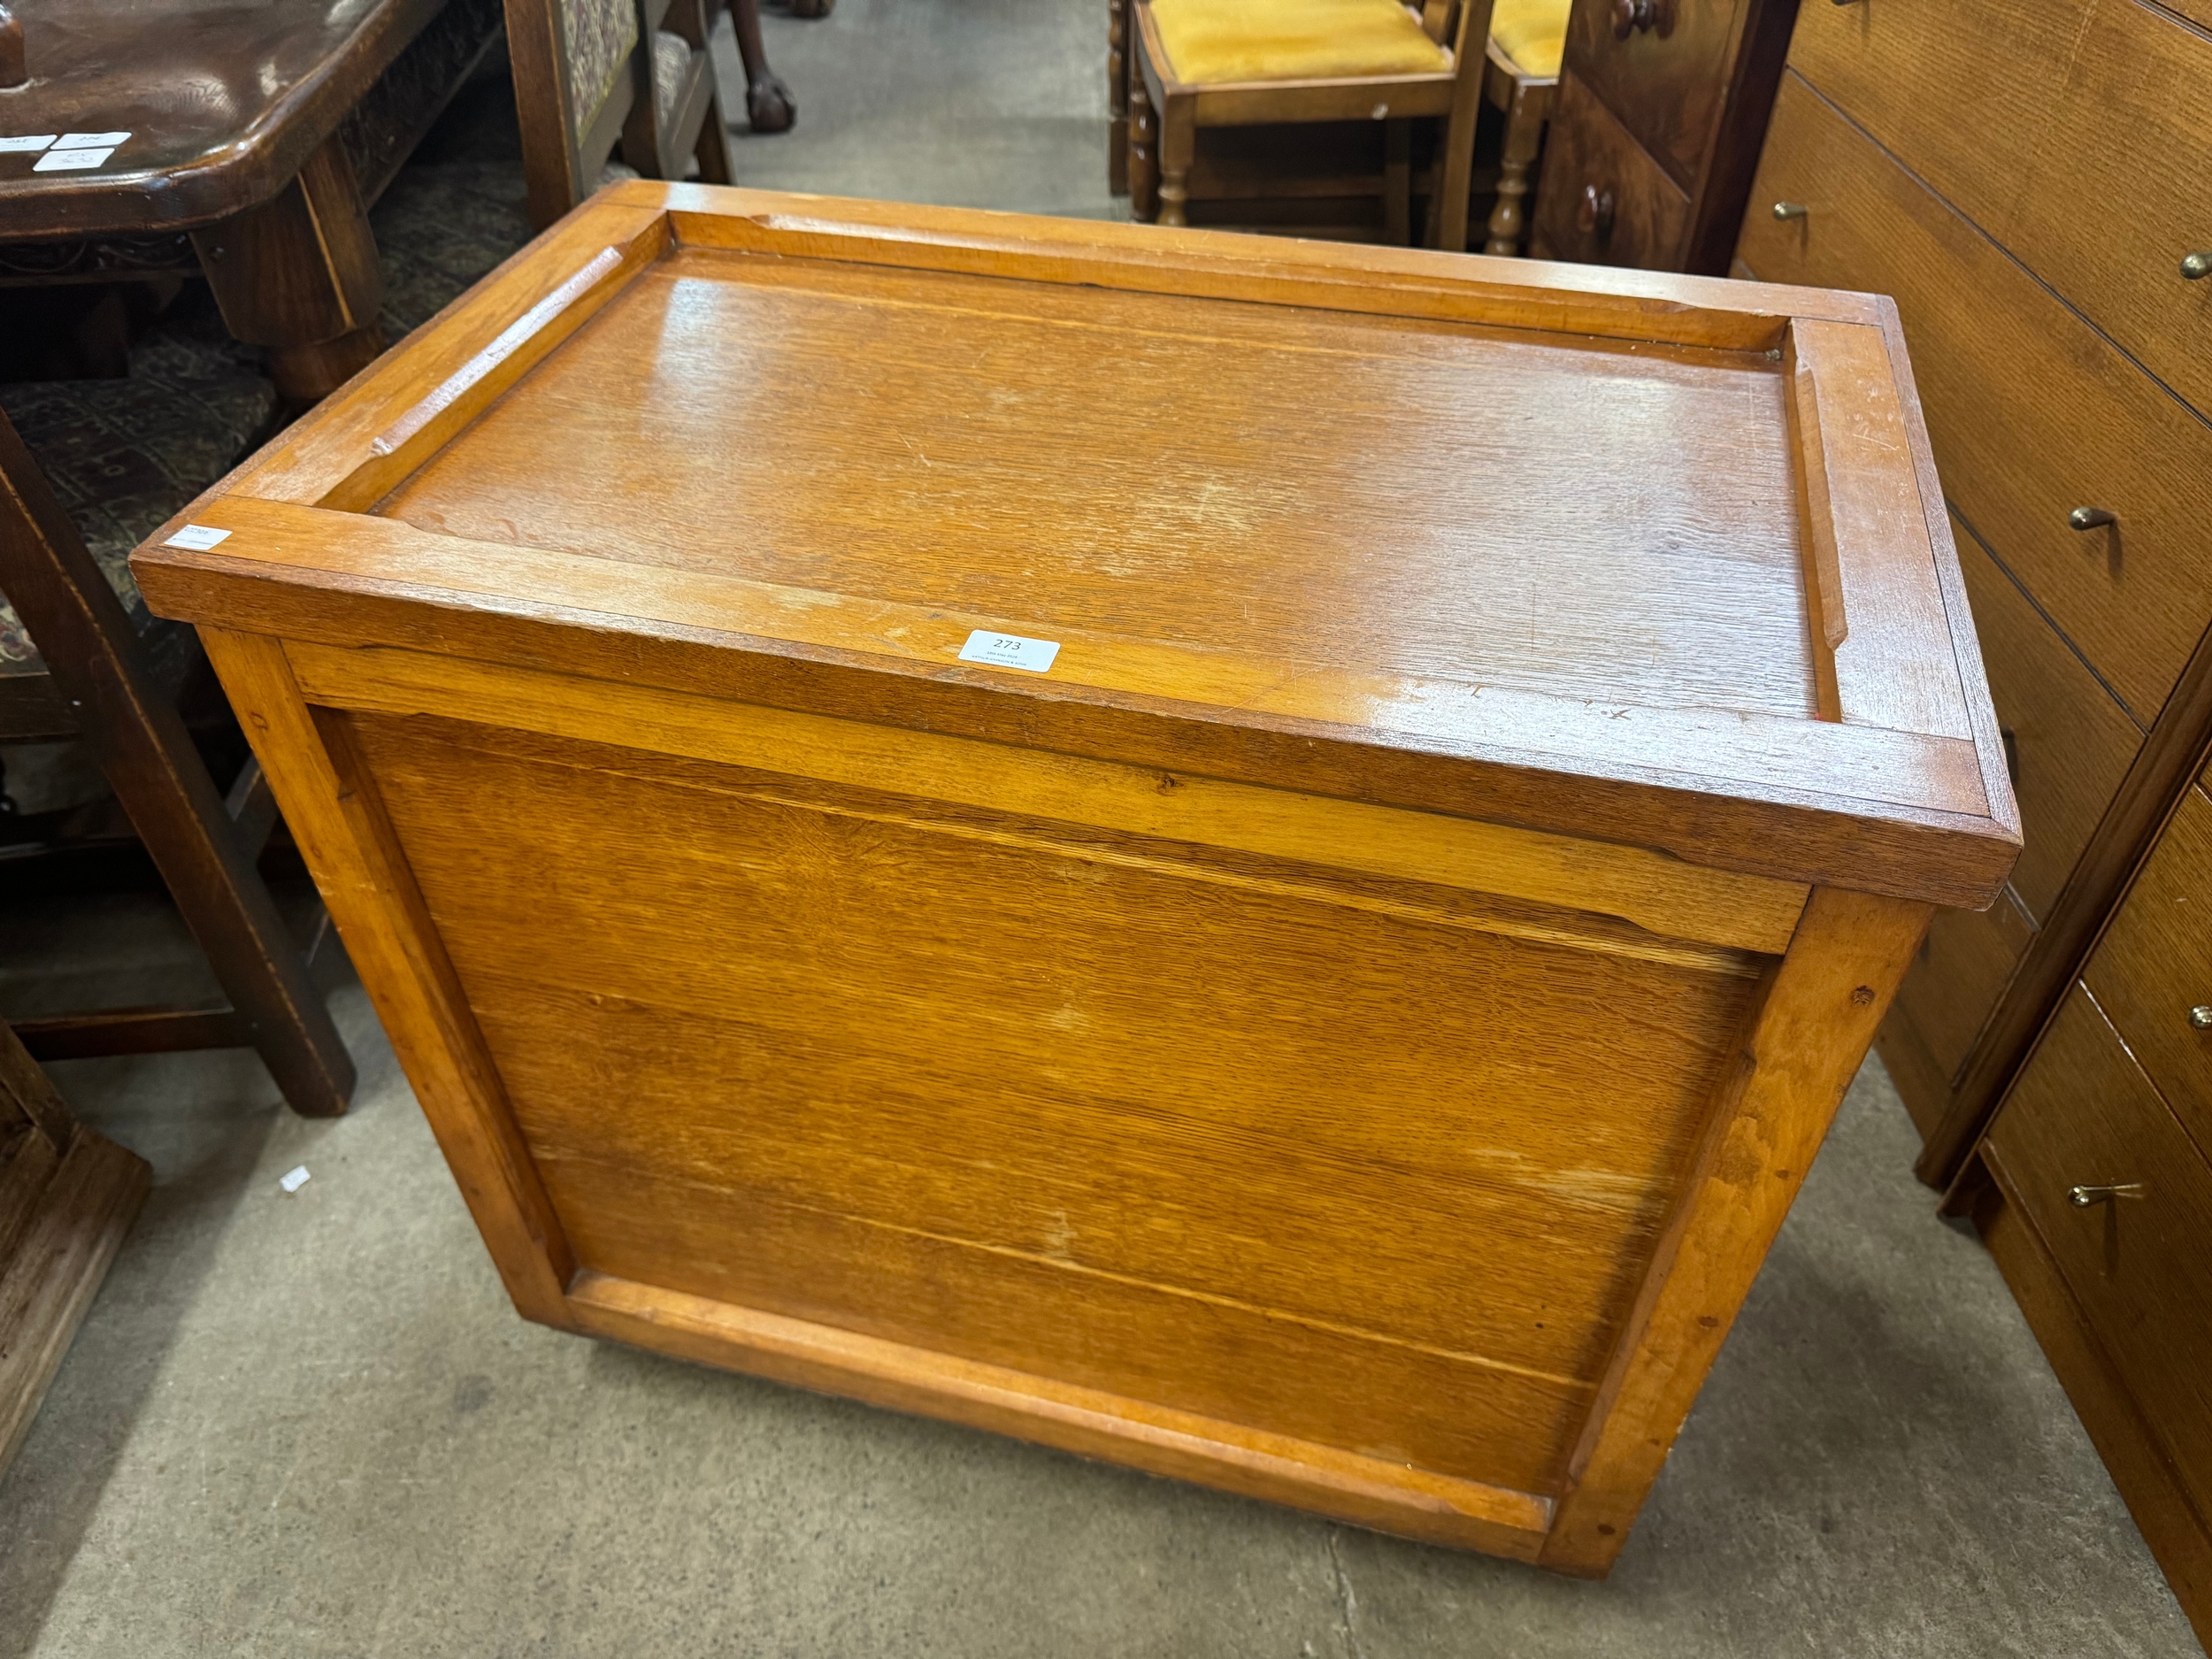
(1179,148)
(299,275)
(1524,138)
(92,652)
(769,105)
(1117,97)
(1144,152)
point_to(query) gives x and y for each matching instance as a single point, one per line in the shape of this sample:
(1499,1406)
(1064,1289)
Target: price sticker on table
(197,538)
(1010,651)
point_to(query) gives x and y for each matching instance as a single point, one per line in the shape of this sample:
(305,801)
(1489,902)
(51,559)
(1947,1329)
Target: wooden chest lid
(1645,559)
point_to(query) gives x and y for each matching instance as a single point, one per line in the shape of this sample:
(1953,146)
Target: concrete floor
(311,1425)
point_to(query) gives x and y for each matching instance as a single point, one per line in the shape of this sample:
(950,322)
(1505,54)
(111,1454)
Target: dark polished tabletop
(223,101)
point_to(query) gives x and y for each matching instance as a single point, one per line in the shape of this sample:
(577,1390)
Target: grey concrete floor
(311,1425)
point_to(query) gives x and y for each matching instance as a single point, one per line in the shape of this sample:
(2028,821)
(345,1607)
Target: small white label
(197,538)
(295,1180)
(1010,651)
(29,141)
(90,141)
(70,160)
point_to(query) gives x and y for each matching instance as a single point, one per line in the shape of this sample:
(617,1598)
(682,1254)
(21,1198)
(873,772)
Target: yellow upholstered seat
(1531,32)
(1211,42)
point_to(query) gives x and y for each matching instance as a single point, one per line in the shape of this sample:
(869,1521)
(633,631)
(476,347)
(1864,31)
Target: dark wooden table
(255,137)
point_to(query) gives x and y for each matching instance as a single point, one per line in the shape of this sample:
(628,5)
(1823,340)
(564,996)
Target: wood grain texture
(2076,145)
(2070,742)
(1801,1048)
(333,813)
(1873,612)
(981,1064)
(1601,200)
(1243,537)
(2173,752)
(2154,963)
(2177,1533)
(1675,94)
(1368,1491)
(1962,969)
(67,1195)
(1666,82)
(1374,282)
(1331,1020)
(1910,809)
(1664,898)
(2082,1112)
(1991,346)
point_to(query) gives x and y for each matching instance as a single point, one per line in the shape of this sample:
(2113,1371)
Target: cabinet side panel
(1314,1151)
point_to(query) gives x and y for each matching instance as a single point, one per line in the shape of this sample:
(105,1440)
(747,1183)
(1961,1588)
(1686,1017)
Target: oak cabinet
(1261,859)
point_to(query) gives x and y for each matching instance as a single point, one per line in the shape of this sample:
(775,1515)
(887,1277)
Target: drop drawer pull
(2091,517)
(2081,1197)
(1631,15)
(1790,210)
(1594,213)
(2196,267)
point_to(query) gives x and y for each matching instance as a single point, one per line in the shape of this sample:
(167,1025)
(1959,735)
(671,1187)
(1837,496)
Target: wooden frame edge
(1366,1491)
(335,814)
(1805,1042)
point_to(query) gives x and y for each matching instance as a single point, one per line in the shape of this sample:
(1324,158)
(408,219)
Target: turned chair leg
(769,105)
(1117,97)
(1179,148)
(1144,149)
(1523,140)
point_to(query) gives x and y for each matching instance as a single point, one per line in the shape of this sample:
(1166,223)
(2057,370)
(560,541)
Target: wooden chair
(1527,39)
(576,79)
(73,1196)
(98,680)
(676,111)
(769,105)
(1234,63)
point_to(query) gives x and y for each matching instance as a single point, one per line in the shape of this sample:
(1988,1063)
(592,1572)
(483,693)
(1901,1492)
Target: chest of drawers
(942,806)
(2025,177)
(1661,106)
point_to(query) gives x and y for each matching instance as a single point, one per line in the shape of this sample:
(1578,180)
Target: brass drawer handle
(1593,213)
(2081,1197)
(1631,15)
(1786,210)
(2090,518)
(2196,267)
(2200,1017)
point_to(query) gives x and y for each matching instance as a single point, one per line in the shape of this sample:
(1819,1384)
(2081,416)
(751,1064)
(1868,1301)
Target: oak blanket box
(1261,859)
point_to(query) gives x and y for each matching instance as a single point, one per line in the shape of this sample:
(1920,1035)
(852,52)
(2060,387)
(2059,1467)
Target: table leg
(769,105)
(299,275)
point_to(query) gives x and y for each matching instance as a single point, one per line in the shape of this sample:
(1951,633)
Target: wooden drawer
(2154,965)
(2073,133)
(2067,743)
(2032,412)
(1644,214)
(1666,83)
(2082,1112)
(1963,966)
(1959,91)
